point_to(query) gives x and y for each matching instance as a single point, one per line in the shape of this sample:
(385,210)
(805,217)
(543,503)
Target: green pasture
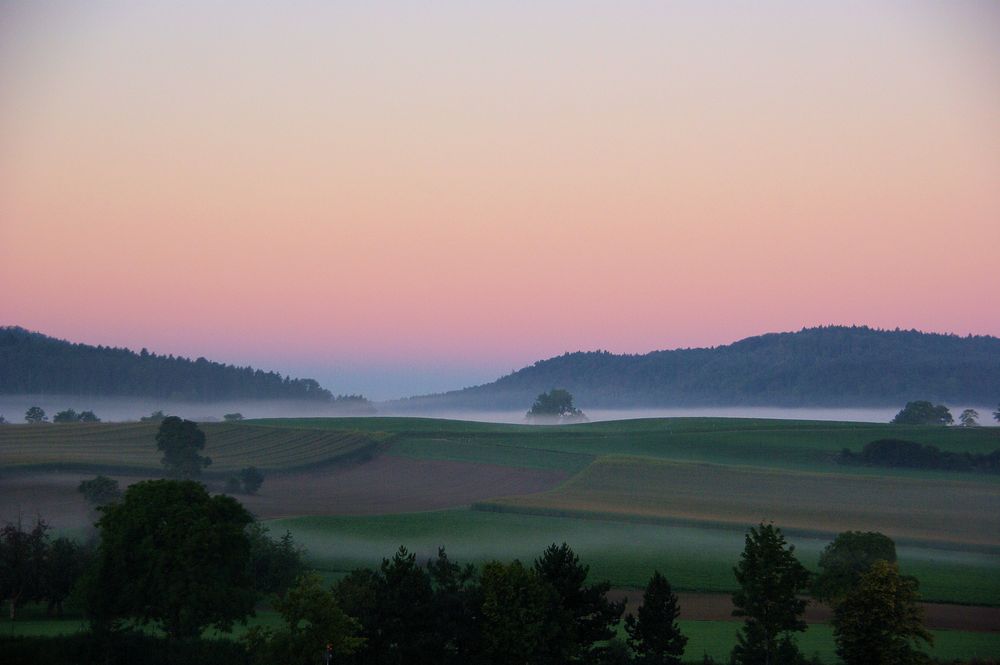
(694,558)
(717,638)
(791,444)
(132,447)
(714,638)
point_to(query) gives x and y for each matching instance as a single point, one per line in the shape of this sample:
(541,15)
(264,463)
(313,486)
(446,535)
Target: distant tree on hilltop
(922,412)
(969,418)
(557,404)
(35,414)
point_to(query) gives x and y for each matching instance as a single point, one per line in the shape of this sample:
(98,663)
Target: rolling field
(694,558)
(629,496)
(783,444)
(951,511)
(132,447)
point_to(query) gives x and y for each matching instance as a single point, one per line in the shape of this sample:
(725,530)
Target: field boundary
(498,506)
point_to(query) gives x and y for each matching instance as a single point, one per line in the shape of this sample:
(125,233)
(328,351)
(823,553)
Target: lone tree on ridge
(555,406)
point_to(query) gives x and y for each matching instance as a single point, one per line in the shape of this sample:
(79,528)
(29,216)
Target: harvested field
(391,484)
(926,510)
(383,485)
(131,446)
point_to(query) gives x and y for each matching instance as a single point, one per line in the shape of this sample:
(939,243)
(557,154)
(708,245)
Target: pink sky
(463,190)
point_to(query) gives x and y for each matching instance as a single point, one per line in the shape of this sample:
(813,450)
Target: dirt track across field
(385,484)
(719,607)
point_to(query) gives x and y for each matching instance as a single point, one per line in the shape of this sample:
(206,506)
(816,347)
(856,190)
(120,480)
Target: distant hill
(33,363)
(827,366)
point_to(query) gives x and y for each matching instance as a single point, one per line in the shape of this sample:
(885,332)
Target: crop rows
(132,446)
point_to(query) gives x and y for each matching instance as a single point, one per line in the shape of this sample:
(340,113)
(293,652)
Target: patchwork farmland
(629,496)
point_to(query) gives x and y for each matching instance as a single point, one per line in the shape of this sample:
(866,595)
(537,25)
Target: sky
(399,198)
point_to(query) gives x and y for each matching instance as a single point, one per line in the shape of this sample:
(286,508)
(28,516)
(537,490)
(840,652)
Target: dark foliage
(172,554)
(846,559)
(251,479)
(923,412)
(65,563)
(273,565)
(908,454)
(71,416)
(587,617)
(100,490)
(653,632)
(35,415)
(828,366)
(879,621)
(557,404)
(33,363)
(22,563)
(119,649)
(180,441)
(770,579)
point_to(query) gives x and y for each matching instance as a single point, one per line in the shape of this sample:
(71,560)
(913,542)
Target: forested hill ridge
(826,366)
(33,363)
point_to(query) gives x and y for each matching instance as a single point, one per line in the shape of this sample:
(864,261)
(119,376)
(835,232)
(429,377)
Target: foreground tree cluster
(172,556)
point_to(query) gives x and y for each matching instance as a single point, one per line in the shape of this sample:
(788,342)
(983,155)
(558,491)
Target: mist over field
(110,409)
(117,409)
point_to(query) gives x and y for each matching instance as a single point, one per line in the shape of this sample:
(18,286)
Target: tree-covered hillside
(32,363)
(827,366)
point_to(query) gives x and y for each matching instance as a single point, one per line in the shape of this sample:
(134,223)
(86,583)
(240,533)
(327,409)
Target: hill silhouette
(833,366)
(33,363)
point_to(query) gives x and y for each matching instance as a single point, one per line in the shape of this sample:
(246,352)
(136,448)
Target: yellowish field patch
(920,509)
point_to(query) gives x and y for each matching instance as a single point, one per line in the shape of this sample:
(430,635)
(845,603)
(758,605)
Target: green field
(787,444)
(675,494)
(131,446)
(694,558)
(714,638)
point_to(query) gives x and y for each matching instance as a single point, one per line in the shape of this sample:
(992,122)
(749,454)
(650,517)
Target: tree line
(170,555)
(37,364)
(825,366)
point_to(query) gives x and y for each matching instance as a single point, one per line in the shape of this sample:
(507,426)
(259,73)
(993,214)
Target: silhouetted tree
(846,559)
(232,417)
(180,441)
(67,416)
(251,479)
(770,579)
(65,563)
(22,563)
(589,617)
(313,622)
(968,418)
(653,632)
(35,414)
(455,607)
(516,624)
(879,621)
(154,417)
(88,417)
(923,412)
(274,565)
(100,490)
(171,553)
(555,404)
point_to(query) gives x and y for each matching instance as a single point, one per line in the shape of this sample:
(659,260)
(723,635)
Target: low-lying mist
(12,407)
(123,409)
